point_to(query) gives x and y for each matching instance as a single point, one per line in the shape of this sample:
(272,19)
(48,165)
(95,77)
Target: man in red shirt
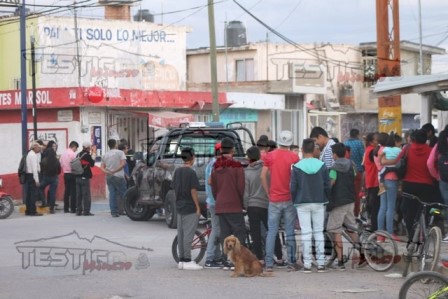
(278,164)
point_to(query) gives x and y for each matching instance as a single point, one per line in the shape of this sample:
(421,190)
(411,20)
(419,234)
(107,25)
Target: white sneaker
(445,240)
(180,266)
(192,266)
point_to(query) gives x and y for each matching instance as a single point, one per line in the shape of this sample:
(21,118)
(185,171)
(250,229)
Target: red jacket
(417,170)
(227,182)
(370,169)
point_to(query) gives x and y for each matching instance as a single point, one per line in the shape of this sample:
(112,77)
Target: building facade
(324,84)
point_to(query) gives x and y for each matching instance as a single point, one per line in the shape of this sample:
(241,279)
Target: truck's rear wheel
(134,210)
(170,209)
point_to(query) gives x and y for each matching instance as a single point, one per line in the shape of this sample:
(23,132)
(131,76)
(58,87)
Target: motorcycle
(6,203)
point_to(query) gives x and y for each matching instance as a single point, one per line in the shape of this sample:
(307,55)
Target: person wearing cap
(84,200)
(278,165)
(32,182)
(320,137)
(113,164)
(185,184)
(227,181)
(214,255)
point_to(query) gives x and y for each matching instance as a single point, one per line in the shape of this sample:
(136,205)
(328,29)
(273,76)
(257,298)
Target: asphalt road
(51,257)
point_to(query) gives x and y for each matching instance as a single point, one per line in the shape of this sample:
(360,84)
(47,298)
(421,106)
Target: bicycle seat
(207,221)
(351,228)
(435,212)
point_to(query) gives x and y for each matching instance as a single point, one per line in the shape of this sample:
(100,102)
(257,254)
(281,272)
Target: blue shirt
(356,152)
(208,188)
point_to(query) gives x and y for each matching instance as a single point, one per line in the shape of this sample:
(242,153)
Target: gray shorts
(341,215)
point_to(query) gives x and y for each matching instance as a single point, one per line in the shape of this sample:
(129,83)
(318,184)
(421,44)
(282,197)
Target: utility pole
(388,62)
(213,71)
(23,103)
(420,35)
(78,60)
(33,86)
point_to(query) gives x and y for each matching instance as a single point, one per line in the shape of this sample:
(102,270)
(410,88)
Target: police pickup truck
(153,175)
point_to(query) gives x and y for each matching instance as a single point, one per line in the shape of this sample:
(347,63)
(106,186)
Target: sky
(303,21)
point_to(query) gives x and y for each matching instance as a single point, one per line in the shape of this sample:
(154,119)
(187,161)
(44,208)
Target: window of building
(244,70)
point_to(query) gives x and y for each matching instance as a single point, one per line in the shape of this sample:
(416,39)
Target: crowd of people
(43,167)
(320,188)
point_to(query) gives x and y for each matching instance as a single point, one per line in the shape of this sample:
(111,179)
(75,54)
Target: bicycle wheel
(380,251)
(198,247)
(431,250)
(426,284)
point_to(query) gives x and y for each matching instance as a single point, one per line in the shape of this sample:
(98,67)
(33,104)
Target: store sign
(65,115)
(9,2)
(95,94)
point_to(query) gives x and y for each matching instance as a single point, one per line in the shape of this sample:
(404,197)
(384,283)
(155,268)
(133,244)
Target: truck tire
(134,210)
(170,209)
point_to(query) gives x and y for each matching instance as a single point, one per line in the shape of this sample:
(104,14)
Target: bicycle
(199,244)
(200,241)
(426,240)
(427,284)
(379,249)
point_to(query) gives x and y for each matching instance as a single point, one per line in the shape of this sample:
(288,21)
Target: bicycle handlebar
(430,204)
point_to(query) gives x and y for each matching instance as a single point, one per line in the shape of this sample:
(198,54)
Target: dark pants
(83,201)
(373,202)
(358,184)
(32,192)
(257,217)
(411,208)
(233,223)
(69,192)
(51,181)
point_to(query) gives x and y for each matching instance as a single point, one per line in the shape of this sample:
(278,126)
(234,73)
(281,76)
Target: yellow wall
(10,52)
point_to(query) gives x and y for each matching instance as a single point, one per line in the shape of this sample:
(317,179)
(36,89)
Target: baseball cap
(285,138)
(217,146)
(86,144)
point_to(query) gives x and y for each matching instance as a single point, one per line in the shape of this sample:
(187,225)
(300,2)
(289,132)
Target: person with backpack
(83,201)
(438,167)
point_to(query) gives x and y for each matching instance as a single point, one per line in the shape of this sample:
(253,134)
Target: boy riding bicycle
(342,201)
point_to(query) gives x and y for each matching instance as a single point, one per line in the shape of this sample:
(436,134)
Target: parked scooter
(6,203)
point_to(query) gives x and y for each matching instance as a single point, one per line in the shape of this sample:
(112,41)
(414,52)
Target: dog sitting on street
(246,263)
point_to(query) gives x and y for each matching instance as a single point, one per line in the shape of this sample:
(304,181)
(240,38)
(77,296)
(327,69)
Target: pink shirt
(67,156)
(432,163)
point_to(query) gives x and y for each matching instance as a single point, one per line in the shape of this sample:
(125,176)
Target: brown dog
(244,260)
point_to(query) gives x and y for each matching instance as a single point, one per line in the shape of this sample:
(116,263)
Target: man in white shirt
(32,179)
(113,163)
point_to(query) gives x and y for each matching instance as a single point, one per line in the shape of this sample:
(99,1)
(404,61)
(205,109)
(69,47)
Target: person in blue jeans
(278,164)
(389,179)
(213,259)
(310,189)
(113,163)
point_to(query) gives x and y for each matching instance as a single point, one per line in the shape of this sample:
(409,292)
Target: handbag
(402,164)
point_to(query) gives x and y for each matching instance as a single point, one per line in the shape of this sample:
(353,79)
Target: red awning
(165,119)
